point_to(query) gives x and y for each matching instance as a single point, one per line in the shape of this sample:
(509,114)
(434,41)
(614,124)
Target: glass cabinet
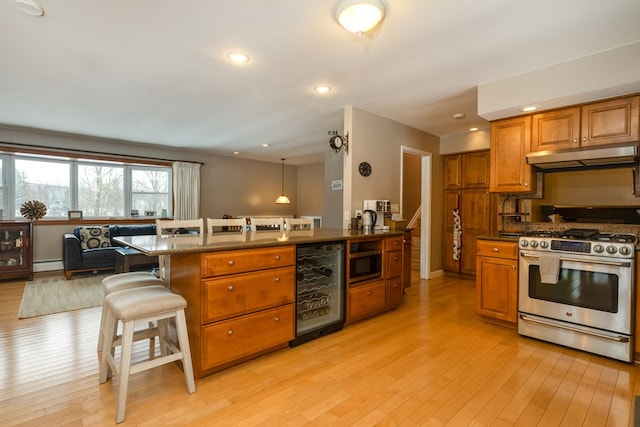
(16,249)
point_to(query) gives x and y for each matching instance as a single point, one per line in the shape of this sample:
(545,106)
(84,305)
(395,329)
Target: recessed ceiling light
(266,145)
(529,108)
(30,7)
(473,129)
(322,88)
(238,57)
(459,116)
(236,152)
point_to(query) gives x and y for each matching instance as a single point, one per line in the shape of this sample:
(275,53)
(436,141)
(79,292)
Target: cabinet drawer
(229,340)
(492,248)
(393,243)
(366,300)
(393,264)
(231,262)
(239,294)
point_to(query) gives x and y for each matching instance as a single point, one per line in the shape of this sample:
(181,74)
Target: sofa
(92,248)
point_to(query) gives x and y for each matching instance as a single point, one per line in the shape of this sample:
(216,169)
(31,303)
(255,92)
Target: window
(100,189)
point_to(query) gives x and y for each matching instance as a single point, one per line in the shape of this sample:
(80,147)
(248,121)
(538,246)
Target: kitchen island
(241,288)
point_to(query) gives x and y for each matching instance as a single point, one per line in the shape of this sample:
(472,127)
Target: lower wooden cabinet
(497,280)
(395,290)
(365,300)
(243,336)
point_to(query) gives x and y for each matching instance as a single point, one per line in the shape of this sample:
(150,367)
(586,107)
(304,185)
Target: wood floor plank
(431,362)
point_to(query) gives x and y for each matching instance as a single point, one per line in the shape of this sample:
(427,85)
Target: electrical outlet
(346,216)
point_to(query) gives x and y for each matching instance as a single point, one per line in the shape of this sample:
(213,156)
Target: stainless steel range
(575,288)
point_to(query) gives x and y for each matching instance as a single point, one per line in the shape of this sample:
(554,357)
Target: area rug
(47,296)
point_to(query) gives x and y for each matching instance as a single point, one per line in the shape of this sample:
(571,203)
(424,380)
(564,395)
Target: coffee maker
(380,207)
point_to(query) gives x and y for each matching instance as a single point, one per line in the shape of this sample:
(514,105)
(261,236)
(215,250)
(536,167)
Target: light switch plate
(346,216)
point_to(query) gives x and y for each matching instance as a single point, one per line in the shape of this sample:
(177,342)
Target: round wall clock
(364,168)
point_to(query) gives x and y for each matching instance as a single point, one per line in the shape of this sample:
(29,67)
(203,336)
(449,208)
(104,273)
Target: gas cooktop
(587,234)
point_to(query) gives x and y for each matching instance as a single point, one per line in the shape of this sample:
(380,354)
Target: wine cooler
(320,290)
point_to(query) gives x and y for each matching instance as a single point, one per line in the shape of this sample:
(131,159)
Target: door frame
(425,203)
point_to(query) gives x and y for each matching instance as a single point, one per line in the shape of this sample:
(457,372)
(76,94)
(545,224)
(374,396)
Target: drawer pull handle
(277,280)
(369,292)
(231,288)
(230,332)
(277,257)
(231,262)
(395,258)
(495,249)
(277,318)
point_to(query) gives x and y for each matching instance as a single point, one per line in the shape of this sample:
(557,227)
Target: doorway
(415,187)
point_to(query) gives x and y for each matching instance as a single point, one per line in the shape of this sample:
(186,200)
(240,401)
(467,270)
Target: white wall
(603,75)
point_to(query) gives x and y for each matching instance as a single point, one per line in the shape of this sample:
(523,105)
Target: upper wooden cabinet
(510,142)
(453,171)
(467,170)
(601,123)
(610,122)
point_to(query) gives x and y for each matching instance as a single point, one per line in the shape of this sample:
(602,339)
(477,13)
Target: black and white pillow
(94,237)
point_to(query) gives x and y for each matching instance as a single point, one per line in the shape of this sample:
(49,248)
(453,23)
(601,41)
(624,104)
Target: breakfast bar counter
(241,288)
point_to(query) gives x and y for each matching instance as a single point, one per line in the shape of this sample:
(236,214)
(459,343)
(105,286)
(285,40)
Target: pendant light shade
(359,16)
(282,199)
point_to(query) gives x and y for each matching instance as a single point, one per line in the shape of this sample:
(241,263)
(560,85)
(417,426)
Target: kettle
(369,219)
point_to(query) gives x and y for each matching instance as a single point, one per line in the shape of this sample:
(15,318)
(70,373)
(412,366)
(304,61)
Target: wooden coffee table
(129,257)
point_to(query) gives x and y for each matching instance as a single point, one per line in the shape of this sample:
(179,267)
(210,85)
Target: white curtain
(186,190)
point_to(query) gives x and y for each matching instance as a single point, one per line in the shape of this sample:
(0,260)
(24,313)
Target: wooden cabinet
(453,171)
(16,249)
(497,280)
(510,143)
(240,303)
(475,206)
(365,300)
(466,170)
(610,122)
(600,123)
(406,260)
(394,267)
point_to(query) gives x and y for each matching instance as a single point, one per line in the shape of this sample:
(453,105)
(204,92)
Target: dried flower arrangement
(33,209)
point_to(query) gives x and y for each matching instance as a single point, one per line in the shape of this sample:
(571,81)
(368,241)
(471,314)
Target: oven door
(591,291)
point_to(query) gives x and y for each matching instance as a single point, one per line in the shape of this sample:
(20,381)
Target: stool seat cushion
(139,302)
(120,282)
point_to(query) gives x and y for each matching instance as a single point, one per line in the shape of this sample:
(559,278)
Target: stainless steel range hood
(593,156)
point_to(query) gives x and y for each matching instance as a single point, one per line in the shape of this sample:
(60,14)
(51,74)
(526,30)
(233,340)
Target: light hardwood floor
(431,362)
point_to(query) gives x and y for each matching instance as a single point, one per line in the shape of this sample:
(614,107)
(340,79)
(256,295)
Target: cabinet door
(497,288)
(406,260)
(453,171)
(16,254)
(611,122)
(394,292)
(475,170)
(510,142)
(393,264)
(554,130)
(365,300)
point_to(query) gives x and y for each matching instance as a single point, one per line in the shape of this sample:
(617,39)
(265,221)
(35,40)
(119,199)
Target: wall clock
(364,168)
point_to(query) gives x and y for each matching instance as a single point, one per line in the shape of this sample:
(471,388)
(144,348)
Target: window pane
(150,190)
(45,181)
(100,191)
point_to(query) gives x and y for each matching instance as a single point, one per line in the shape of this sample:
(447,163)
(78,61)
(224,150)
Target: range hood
(593,156)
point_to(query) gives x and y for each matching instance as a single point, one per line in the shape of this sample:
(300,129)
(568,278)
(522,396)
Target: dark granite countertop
(153,245)
(503,237)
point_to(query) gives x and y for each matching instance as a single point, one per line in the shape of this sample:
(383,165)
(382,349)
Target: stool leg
(108,333)
(125,368)
(100,336)
(183,342)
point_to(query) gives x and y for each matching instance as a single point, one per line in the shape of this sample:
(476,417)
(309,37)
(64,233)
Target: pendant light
(282,199)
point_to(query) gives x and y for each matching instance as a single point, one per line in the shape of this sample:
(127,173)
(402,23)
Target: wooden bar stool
(141,306)
(120,282)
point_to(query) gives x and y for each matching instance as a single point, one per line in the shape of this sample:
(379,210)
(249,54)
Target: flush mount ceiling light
(282,199)
(237,57)
(322,89)
(359,16)
(30,7)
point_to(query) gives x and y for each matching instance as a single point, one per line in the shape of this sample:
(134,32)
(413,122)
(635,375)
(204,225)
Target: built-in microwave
(365,265)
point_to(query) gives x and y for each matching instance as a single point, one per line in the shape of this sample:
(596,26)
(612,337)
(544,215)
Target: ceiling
(156,71)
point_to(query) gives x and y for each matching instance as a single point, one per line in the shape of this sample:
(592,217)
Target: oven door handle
(609,263)
(569,328)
